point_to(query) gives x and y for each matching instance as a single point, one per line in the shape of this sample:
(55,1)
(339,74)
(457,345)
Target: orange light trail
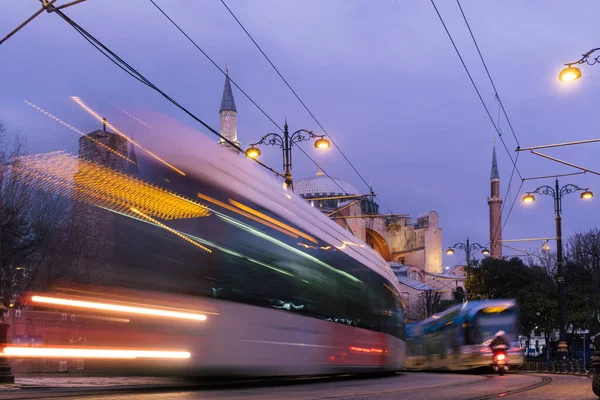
(100,186)
(173,231)
(272,220)
(245,214)
(79,352)
(111,126)
(118,308)
(60,121)
(132,116)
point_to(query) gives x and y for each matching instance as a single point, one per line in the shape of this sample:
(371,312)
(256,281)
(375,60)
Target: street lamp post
(571,73)
(286,142)
(468,248)
(557,193)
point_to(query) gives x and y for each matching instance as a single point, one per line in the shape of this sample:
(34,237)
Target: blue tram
(458,338)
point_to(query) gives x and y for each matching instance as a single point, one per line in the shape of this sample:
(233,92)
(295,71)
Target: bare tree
(39,241)
(28,220)
(583,248)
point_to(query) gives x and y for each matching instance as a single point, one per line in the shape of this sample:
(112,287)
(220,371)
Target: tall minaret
(228,115)
(495,203)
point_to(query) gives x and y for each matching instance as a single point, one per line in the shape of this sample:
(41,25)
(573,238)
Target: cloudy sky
(380,75)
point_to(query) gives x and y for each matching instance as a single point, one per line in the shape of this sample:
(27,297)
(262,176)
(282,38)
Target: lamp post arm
(545,190)
(568,189)
(477,246)
(459,245)
(586,58)
(270,139)
(303,135)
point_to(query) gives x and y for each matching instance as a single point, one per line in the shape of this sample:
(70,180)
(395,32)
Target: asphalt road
(413,386)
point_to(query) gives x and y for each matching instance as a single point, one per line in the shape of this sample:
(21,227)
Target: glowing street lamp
(286,142)
(571,73)
(253,152)
(468,248)
(528,198)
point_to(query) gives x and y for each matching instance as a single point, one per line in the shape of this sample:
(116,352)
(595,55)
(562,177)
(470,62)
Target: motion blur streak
(93,184)
(173,231)
(118,308)
(91,353)
(99,118)
(245,214)
(272,220)
(286,246)
(132,116)
(60,121)
(363,350)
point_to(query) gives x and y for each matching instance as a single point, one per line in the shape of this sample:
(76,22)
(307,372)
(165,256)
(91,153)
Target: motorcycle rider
(500,342)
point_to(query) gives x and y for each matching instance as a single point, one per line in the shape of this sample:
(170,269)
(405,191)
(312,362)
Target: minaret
(495,203)
(228,115)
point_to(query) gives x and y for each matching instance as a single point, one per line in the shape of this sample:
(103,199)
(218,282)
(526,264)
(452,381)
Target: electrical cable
(299,99)
(239,88)
(141,78)
(476,89)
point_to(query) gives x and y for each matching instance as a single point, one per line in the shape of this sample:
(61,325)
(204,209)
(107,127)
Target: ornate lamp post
(571,73)
(286,142)
(468,248)
(557,193)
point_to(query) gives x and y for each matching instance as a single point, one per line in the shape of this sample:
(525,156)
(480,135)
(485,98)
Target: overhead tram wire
(299,99)
(488,73)
(498,132)
(499,102)
(476,89)
(141,78)
(241,90)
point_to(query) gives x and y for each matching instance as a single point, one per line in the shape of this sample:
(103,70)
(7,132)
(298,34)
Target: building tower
(495,203)
(228,115)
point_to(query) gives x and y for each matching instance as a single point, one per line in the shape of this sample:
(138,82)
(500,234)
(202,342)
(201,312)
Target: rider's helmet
(500,333)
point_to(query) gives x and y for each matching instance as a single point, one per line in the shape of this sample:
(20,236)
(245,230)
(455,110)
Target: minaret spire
(495,174)
(228,114)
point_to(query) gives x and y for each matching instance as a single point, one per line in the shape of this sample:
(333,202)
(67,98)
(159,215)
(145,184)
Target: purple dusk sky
(381,76)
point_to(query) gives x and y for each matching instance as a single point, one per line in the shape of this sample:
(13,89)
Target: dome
(322,185)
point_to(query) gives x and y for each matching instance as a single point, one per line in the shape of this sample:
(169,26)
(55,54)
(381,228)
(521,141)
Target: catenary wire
(240,89)
(141,78)
(299,99)
(488,73)
(476,89)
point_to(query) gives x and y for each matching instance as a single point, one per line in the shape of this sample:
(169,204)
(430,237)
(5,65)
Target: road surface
(413,386)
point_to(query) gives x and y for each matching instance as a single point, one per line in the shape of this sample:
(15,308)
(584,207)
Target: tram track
(375,394)
(544,380)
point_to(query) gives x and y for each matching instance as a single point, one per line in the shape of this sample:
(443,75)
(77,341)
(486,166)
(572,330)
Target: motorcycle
(499,361)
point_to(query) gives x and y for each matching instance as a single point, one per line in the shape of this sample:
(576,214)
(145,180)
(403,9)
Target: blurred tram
(215,260)
(459,338)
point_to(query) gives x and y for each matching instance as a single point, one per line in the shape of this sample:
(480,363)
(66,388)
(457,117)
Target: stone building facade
(395,238)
